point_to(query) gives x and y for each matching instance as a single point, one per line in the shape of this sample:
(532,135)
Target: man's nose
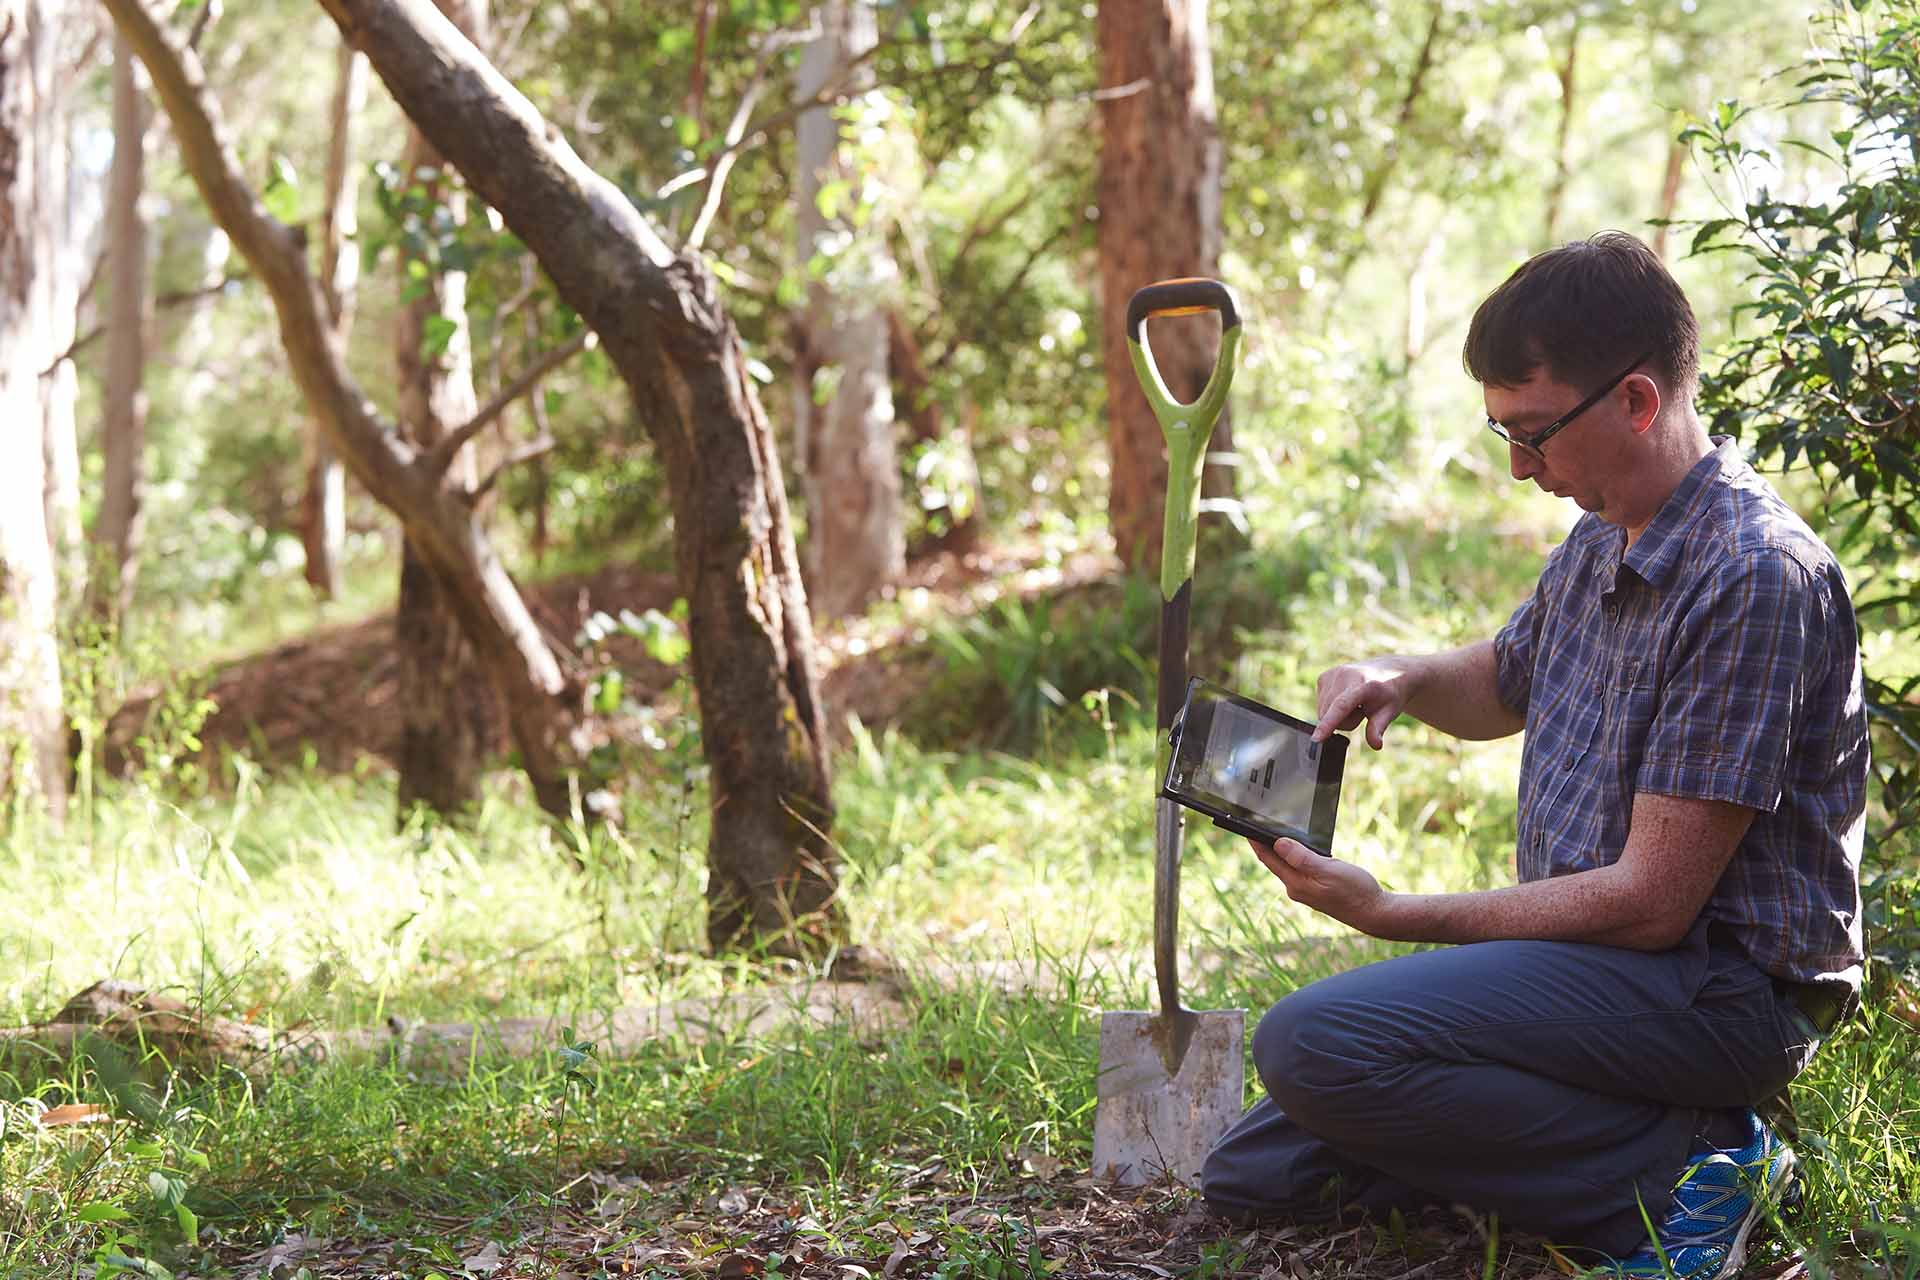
(1523,462)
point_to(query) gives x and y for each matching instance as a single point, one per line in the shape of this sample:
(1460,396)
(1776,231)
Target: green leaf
(189,1224)
(101,1211)
(831,197)
(1839,361)
(687,130)
(435,334)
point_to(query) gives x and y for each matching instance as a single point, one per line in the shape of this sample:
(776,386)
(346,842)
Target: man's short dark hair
(1585,310)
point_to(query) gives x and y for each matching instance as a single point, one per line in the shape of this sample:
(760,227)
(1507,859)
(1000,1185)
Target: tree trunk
(323,500)
(544,708)
(1669,190)
(1159,188)
(116,531)
(1557,188)
(446,710)
(843,398)
(33,754)
(772,869)
(73,227)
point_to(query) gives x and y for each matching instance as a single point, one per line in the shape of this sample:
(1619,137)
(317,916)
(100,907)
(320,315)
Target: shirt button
(1568,762)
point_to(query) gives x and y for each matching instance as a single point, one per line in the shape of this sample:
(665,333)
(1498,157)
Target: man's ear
(1643,401)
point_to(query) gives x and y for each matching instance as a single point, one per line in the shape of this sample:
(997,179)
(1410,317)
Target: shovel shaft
(1169,826)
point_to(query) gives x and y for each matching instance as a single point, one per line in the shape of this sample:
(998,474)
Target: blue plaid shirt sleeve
(1738,667)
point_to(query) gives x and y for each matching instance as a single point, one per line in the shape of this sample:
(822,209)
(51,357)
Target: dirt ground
(333,692)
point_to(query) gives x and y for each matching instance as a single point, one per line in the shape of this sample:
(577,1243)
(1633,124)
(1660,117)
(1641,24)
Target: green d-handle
(1187,427)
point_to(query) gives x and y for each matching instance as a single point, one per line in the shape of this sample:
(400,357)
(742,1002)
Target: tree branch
(526,452)
(732,143)
(162,302)
(443,453)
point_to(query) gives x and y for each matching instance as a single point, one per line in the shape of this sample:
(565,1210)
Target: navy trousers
(1560,1085)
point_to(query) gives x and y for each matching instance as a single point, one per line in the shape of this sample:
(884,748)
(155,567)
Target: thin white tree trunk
(323,506)
(32,207)
(843,403)
(124,429)
(73,212)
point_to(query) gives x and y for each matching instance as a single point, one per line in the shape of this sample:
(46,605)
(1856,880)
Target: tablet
(1253,770)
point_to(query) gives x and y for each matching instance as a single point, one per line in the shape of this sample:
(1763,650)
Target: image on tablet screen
(1261,767)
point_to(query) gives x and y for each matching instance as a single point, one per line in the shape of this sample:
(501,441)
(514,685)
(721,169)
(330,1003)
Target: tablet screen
(1255,770)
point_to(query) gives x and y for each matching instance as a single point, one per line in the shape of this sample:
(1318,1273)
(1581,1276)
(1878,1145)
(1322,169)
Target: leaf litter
(616,1225)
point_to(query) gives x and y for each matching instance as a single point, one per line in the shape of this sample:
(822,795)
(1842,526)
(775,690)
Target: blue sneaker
(1718,1201)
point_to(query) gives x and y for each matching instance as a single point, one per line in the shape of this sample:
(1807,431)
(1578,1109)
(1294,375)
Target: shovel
(1171,1081)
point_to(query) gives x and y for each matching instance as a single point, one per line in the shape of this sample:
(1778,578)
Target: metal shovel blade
(1170,1082)
(1150,1125)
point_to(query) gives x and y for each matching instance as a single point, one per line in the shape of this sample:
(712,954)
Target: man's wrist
(1390,917)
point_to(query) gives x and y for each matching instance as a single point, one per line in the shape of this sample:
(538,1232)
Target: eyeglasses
(1536,442)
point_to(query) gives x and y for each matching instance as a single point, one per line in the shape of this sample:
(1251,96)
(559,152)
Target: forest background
(920,220)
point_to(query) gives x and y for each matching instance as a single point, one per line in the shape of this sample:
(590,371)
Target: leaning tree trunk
(32,137)
(772,870)
(543,706)
(447,714)
(843,398)
(123,434)
(323,499)
(1159,191)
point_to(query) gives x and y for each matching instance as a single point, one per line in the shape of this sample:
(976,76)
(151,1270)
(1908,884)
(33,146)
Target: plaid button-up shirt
(1717,659)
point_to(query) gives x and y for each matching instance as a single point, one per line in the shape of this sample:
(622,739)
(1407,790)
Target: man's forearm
(1458,692)
(1605,905)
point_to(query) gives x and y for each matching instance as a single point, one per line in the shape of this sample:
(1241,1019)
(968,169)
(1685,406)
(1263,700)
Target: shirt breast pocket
(1631,700)
(1571,737)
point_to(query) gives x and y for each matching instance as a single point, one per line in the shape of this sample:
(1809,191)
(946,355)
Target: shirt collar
(1655,554)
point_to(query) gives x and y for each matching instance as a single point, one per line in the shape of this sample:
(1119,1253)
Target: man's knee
(1314,1054)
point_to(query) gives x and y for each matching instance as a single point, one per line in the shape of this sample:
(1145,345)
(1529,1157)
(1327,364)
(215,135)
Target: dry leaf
(1903,1004)
(742,1266)
(73,1113)
(733,1202)
(485,1262)
(1040,1164)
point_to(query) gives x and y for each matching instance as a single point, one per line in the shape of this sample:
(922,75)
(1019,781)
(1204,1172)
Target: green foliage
(1828,374)
(1015,673)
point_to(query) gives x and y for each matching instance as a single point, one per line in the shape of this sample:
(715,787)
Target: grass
(950,1141)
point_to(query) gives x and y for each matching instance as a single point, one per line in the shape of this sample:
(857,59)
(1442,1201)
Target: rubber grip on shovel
(1188,296)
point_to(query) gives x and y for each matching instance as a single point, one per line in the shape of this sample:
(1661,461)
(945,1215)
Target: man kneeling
(1687,923)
